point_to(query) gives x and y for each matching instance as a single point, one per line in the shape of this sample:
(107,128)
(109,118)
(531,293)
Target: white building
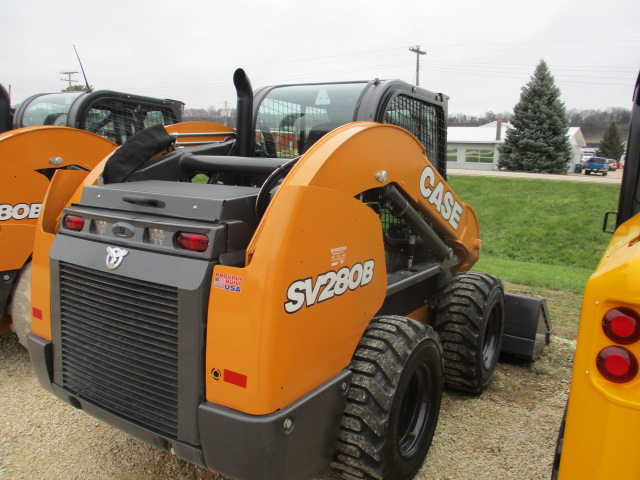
(476,148)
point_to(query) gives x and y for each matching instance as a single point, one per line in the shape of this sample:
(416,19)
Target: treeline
(463,120)
(593,123)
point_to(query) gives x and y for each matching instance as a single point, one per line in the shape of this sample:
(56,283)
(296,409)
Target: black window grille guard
(424,120)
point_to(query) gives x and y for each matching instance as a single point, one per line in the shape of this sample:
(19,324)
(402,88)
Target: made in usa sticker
(226,281)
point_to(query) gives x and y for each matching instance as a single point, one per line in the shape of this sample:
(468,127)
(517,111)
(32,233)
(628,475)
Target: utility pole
(418,52)
(68,79)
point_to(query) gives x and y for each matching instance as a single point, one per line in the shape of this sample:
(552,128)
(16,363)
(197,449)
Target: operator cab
(112,115)
(46,109)
(629,203)
(289,119)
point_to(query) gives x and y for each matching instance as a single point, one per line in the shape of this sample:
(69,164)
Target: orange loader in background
(301,309)
(35,142)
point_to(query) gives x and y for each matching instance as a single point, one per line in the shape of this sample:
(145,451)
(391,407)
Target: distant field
(539,232)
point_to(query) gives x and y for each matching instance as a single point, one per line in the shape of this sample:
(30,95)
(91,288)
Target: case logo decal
(440,197)
(115,255)
(309,292)
(19,211)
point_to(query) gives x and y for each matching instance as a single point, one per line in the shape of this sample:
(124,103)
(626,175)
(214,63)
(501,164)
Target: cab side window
(424,120)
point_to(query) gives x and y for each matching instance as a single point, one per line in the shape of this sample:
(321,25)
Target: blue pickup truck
(596,164)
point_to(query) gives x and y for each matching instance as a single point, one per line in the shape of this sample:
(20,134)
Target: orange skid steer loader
(35,143)
(301,308)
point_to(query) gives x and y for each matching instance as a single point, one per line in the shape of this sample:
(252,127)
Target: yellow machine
(302,308)
(35,143)
(600,430)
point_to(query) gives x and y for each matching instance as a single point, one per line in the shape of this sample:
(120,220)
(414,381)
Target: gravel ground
(509,432)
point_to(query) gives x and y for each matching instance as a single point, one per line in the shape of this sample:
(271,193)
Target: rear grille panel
(119,346)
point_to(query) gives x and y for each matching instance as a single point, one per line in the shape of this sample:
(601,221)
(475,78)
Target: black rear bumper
(295,442)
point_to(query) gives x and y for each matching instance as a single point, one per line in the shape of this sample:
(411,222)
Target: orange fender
(23,188)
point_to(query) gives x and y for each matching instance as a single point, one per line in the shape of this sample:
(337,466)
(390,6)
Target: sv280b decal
(309,291)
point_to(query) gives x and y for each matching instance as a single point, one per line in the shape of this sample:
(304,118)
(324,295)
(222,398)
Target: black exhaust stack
(6,122)
(244,112)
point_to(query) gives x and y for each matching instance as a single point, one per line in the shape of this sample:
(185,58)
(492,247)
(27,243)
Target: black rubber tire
(470,322)
(20,307)
(393,403)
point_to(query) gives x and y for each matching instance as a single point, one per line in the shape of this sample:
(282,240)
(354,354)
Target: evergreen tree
(611,145)
(538,141)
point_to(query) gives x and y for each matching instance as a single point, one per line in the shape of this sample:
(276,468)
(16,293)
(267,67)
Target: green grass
(539,232)
(559,277)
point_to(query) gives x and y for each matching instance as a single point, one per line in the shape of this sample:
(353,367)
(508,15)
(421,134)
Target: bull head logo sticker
(115,256)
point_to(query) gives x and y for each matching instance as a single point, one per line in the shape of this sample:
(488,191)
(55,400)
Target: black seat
(317,132)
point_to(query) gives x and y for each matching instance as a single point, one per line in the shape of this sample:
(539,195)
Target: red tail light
(197,242)
(617,364)
(622,325)
(73,222)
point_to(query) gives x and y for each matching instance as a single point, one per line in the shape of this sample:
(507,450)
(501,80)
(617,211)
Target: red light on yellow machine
(617,364)
(622,325)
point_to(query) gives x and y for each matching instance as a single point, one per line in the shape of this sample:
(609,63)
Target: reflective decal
(441,197)
(308,292)
(19,211)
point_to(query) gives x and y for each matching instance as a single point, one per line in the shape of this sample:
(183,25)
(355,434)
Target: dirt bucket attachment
(527,326)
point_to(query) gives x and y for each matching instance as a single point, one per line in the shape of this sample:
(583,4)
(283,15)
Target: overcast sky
(479,52)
